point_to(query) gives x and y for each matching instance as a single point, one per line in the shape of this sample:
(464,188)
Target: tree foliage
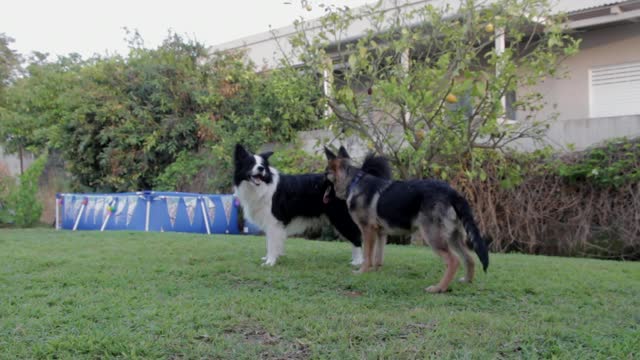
(7,188)
(424,85)
(420,86)
(37,103)
(130,117)
(24,202)
(611,165)
(9,70)
(9,62)
(254,108)
(153,118)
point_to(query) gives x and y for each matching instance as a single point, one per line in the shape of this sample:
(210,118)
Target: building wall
(570,96)
(12,162)
(582,133)
(268,48)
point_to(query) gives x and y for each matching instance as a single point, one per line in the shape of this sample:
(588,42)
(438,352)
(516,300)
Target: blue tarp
(166,211)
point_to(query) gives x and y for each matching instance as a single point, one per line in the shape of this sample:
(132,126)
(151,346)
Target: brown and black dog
(429,208)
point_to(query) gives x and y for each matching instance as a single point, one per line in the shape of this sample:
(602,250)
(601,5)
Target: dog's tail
(462,208)
(377,166)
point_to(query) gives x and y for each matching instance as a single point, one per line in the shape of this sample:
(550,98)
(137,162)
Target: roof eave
(612,18)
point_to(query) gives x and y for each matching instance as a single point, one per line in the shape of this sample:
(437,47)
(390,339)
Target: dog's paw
(269,262)
(434,289)
(356,256)
(464,280)
(356,262)
(264,258)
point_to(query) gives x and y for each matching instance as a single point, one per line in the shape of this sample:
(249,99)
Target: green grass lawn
(181,296)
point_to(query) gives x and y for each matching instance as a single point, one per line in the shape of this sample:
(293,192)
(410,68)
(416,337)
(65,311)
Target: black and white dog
(283,205)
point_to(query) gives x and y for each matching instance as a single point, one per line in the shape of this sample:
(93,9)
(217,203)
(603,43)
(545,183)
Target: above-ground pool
(151,211)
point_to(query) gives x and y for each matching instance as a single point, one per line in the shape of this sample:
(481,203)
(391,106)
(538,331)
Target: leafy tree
(156,117)
(36,103)
(26,207)
(9,62)
(132,116)
(424,85)
(7,188)
(249,107)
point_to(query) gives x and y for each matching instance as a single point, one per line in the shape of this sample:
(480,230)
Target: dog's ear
(240,153)
(265,155)
(342,152)
(330,155)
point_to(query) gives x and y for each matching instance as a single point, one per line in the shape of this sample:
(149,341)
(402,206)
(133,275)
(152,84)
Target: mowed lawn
(183,296)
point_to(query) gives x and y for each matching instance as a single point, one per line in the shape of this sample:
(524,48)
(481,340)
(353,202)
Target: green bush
(180,174)
(612,165)
(154,117)
(7,187)
(294,160)
(24,207)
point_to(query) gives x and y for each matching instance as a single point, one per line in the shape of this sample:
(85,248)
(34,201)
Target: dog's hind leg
(437,234)
(276,236)
(458,245)
(378,250)
(452,263)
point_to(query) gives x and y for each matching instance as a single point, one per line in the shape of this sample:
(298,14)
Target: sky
(89,27)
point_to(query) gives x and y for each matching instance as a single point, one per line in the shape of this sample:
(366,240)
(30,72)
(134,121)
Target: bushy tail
(377,166)
(462,208)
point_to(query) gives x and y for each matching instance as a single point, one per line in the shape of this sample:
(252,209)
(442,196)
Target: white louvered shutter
(614,90)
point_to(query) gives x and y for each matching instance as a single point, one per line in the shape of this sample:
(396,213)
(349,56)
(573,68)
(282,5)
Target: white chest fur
(256,200)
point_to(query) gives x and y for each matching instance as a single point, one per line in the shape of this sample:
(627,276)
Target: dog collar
(355,181)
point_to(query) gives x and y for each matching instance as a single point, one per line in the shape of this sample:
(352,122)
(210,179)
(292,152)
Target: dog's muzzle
(257,179)
(257,176)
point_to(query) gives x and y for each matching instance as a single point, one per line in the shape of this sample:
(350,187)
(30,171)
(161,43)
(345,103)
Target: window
(466,103)
(510,99)
(614,90)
